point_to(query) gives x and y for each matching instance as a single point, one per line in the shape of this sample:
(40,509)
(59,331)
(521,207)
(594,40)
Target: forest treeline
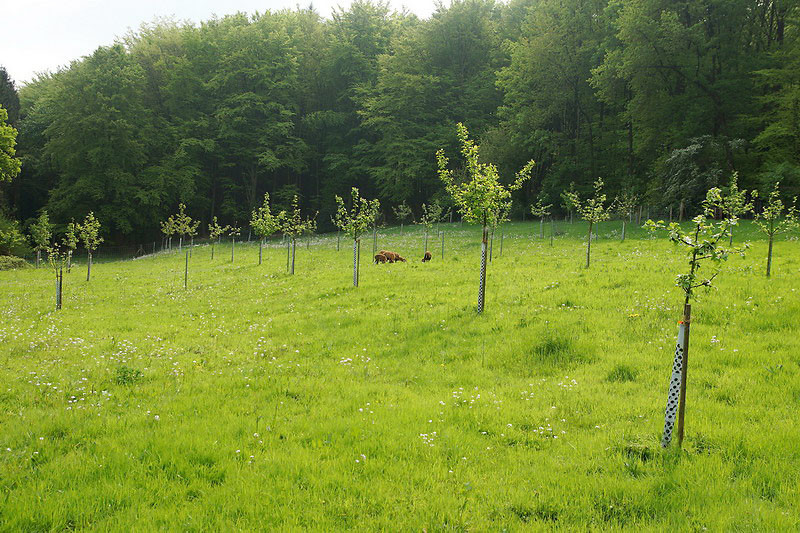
(661,98)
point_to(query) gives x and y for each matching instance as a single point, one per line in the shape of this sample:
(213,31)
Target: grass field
(259,400)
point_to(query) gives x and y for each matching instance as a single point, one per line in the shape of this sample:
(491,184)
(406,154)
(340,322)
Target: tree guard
(676,397)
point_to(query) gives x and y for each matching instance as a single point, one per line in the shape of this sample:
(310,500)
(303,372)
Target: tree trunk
(260,246)
(491,245)
(38,257)
(69,259)
(294,246)
(623,231)
(356,257)
(212,250)
(288,253)
(89,266)
(180,243)
(769,257)
(59,287)
(541,228)
(233,244)
(426,241)
(589,245)
(482,285)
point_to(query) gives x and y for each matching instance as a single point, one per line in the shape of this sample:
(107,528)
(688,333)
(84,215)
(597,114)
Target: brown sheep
(380,258)
(392,256)
(427,257)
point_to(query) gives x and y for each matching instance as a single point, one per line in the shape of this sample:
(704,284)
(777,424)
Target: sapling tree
(233,232)
(705,244)
(311,229)
(375,221)
(355,221)
(169,228)
(41,232)
(294,225)
(264,223)
(89,233)
(566,200)
(539,209)
(215,231)
(775,219)
(479,197)
(501,217)
(593,210)
(402,212)
(71,242)
(184,225)
(431,213)
(623,205)
(57,257)
(338,231)
(734,203)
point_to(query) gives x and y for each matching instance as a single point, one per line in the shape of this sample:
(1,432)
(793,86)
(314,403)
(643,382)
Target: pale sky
(41,35)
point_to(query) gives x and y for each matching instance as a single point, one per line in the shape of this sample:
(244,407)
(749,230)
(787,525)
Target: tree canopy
(663,99)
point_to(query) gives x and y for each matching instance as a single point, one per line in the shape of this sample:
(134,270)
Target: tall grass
(259,400)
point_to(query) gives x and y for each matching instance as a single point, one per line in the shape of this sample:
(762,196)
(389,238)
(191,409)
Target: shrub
(10,262)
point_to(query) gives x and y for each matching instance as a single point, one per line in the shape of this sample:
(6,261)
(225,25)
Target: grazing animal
(380,258)
(427,257)
(392,256)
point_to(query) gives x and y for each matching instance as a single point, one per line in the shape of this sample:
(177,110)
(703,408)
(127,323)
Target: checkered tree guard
(674,395)
(482,286)
(355,263)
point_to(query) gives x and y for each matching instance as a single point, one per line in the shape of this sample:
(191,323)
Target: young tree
(264,223)
(431,213)
(402,212)
(593,210)
(311,229)
(41,232)
(540,210)
(355,221)
(57,257)
(566,200)
(89,233)
(233,232)
(501,217)
(184,225)
(704,243)
(624,204)
(772,221)
(734,203)
(294,226)
(215,231)
(169,228)
(71,242)
(480,197)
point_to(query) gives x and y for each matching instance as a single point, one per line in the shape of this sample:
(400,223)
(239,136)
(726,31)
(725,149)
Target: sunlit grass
(258,400)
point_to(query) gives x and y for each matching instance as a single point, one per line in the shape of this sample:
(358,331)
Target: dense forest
(661,98)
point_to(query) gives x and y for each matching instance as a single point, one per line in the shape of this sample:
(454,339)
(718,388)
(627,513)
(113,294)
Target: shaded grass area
(258,400)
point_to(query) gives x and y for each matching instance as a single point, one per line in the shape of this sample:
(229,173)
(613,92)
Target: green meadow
(258,400)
